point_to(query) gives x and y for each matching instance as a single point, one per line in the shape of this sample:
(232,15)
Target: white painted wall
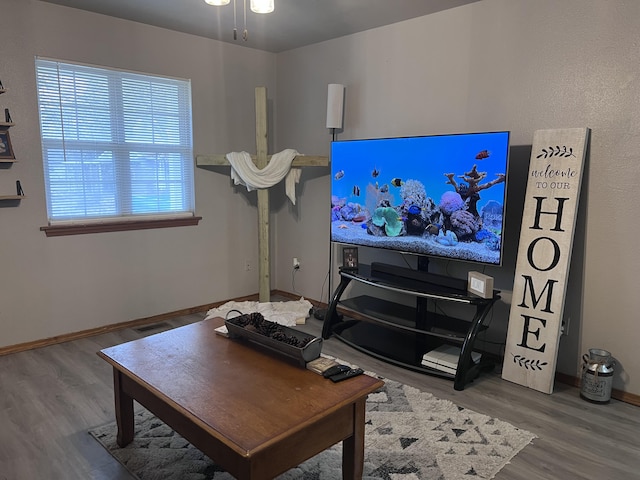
(53,286)
(496,64)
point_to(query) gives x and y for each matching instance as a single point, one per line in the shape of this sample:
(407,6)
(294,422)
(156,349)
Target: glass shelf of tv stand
(400,335)
(390,345)
(393,315)
(368,275)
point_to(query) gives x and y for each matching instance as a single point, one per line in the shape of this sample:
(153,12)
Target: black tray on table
(309,352)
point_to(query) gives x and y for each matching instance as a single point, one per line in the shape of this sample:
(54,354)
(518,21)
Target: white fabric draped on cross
(245,172)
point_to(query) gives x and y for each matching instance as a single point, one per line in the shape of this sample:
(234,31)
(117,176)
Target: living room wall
(495,64)
(492,65)
(60,285)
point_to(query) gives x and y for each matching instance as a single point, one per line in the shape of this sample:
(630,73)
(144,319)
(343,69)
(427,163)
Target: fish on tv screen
(441,195)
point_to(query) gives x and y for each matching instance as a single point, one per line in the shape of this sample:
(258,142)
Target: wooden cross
(261,159)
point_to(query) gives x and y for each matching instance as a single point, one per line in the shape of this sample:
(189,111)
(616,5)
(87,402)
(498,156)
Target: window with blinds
(116,145)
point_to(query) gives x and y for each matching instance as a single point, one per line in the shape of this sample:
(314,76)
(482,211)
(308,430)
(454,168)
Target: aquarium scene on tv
(441,195)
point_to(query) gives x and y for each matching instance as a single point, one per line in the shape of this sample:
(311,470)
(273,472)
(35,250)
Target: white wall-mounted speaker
(335,105)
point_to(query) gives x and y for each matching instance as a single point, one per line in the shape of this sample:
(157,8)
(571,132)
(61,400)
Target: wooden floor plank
(50,397)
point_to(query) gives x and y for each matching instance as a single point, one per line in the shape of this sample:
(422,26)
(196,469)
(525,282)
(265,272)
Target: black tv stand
(400,334)
(419,275)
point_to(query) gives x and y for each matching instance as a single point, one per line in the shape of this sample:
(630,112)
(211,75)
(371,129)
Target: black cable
(406,261)
(293,279)
(326,278)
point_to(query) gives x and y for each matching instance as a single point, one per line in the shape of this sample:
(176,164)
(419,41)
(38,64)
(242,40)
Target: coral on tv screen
(440,195)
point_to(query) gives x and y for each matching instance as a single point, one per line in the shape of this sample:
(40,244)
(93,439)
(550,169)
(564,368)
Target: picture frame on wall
(6,151)
(350,258)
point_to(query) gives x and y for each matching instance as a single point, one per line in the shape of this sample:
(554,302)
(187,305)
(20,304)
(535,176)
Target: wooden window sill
(117,226)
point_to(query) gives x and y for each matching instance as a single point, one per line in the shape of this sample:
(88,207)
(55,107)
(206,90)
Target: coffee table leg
(124,411)
(353,447)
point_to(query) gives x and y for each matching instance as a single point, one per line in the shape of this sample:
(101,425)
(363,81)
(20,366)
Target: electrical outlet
(296,263)
(248,266)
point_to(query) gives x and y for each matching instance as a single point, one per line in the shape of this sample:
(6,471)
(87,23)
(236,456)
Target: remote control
(334,370)
(352,372)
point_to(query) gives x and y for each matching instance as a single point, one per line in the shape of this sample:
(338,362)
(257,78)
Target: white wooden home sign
(544,253)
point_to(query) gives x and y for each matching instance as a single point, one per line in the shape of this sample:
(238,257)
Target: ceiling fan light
(217,3)
(262,6)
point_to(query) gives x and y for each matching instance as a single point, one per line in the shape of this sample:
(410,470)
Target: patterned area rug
(409,435)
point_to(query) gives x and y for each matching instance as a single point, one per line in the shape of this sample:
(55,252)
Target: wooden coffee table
(252,411)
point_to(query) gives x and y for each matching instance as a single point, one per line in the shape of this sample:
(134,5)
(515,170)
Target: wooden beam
(298,161)
(264,268)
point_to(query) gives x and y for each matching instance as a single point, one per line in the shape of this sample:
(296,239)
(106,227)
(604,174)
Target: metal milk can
(597,375)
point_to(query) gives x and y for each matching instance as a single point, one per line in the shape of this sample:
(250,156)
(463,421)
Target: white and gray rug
(409,435)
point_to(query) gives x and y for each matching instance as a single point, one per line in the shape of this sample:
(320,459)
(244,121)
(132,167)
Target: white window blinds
(115,144)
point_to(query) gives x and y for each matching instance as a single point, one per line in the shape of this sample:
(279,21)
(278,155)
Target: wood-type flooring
(50,397)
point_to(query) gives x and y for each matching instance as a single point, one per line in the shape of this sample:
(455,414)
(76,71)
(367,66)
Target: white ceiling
(294,23)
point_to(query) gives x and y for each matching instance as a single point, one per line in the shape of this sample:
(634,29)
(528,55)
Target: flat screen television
(439,196)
